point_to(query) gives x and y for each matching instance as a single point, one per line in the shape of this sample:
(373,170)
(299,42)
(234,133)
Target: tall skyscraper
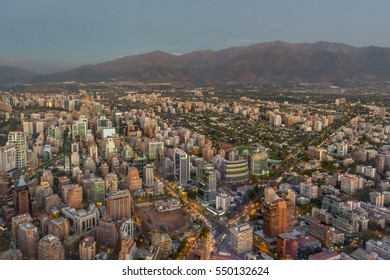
(241,237)
(118,205)
(207,183)
(182,167)
(21,197)
(18,139)
(278,217)
(50,248)
(148,175)
(28,238)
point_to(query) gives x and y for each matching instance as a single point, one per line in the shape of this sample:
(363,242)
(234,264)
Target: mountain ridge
(271,62)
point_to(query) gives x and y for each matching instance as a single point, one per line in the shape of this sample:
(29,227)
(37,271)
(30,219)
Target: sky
(48,35)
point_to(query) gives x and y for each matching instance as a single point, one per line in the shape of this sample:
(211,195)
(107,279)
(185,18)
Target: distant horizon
(50,67)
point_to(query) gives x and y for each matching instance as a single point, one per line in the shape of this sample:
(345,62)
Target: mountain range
(274,62)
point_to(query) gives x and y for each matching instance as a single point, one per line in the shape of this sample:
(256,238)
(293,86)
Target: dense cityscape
(108,171)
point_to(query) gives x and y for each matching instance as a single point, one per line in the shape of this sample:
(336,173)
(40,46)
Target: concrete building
(128,249)
(287,246)
(28,238)
(308,190)
(135,182)
(16,221)
(148,175)
(381,247)
(322,233)
(278,217)
(223,201)
(72,195)
(351,183)
(82,222)
(241,238)
(118,205)
(377,199)
(107,234)
(50,248)
(7,158)
(164,242)
(87,248)
(59,227)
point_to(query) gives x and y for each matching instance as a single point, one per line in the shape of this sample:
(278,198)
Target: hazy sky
(74,32)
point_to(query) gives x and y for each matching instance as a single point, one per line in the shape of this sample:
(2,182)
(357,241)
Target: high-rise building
(128,249)
(127,229)
(135,182)
(182,167)
(351,183)
(111,182)
(18,140)
(7,158)
(72,195)
(50,248)
(118,205)
(287,246)
(28,238)
(96,190)
(21,197)
(87,248)
(4,188)
(235,171)
(278,217)
(148,175)
(139,163)
(223,201)
(59,227)
(259,163)
(79,128)
(107,233)
(153,147)
(241,237)
(207,183)
(16,221)
(380,163)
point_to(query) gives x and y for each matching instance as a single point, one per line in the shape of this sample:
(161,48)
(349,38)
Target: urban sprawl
(105,171)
